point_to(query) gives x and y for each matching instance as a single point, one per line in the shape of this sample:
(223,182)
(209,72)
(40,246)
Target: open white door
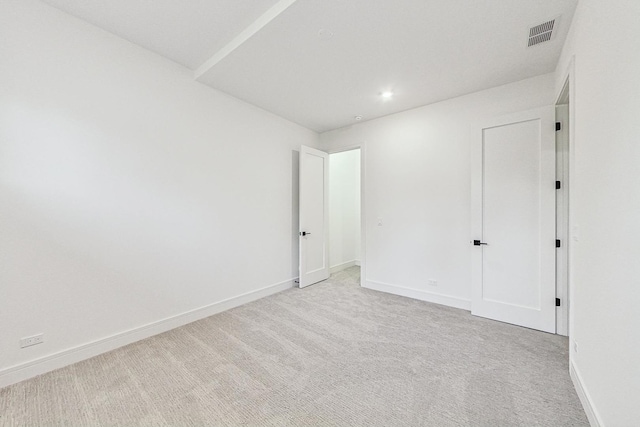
(513,198)
(314,216)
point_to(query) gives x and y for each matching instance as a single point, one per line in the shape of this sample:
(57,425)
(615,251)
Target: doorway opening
(562,209)
(342,230)
(345,210)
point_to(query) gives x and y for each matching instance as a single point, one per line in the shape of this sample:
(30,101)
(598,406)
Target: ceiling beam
(245,35)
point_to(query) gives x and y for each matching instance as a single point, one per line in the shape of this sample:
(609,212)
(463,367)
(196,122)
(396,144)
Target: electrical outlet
(433,282)
(33,340)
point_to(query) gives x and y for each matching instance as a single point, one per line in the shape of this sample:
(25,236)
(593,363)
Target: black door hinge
(558,126)
(558,185)
(557,243)
(557,302)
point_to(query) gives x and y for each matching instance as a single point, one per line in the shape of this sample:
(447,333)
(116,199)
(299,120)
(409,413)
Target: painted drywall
(128,192)
(602,54)
(417,189)
(344,209)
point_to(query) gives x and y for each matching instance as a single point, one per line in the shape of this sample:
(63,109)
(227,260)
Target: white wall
(417,183)
(128,192)
(344,208)
(605,206)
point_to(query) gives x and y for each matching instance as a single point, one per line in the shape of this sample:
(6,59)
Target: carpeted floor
(331,354)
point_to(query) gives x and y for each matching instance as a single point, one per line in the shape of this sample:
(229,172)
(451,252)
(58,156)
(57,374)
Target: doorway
(344,210)
(346,240)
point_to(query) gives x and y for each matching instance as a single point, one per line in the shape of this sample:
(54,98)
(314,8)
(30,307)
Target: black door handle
(304,233)
(478,243)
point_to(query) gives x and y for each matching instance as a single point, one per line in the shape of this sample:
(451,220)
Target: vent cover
(541,33)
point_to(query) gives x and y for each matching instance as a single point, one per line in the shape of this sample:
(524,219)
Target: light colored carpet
(331,354)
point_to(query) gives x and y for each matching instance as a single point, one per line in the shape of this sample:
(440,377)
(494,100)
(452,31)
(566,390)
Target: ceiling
(320,63)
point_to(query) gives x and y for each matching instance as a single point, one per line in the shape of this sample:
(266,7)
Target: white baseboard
(344,265)
(583,395)
(420,295)
(23,371)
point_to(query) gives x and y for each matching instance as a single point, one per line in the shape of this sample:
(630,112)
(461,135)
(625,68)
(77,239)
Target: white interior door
(514,220)
(314,216)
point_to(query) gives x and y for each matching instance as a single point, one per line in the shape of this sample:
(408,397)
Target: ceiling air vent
(541,33)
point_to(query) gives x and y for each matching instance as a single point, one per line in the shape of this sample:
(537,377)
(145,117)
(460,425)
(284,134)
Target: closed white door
(514,220)
(314,216)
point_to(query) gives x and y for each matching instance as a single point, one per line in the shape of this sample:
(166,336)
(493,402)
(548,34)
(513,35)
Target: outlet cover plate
(32,340)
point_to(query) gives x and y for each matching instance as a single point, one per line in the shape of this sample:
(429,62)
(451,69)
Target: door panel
(514,273)
(314,215)
(511,176)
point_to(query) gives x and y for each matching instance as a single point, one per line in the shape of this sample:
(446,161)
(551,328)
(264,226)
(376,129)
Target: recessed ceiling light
(386,94)
(358,118)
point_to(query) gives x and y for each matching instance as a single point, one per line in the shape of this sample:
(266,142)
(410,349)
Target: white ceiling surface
(423,50)
(188,32)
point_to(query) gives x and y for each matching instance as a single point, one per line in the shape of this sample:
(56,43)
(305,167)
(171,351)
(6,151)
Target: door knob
(478,243)
(304,233)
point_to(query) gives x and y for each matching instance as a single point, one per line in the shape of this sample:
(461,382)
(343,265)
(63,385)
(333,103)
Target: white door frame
(568,85)
(548,272)
(363,217)
(562,210)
